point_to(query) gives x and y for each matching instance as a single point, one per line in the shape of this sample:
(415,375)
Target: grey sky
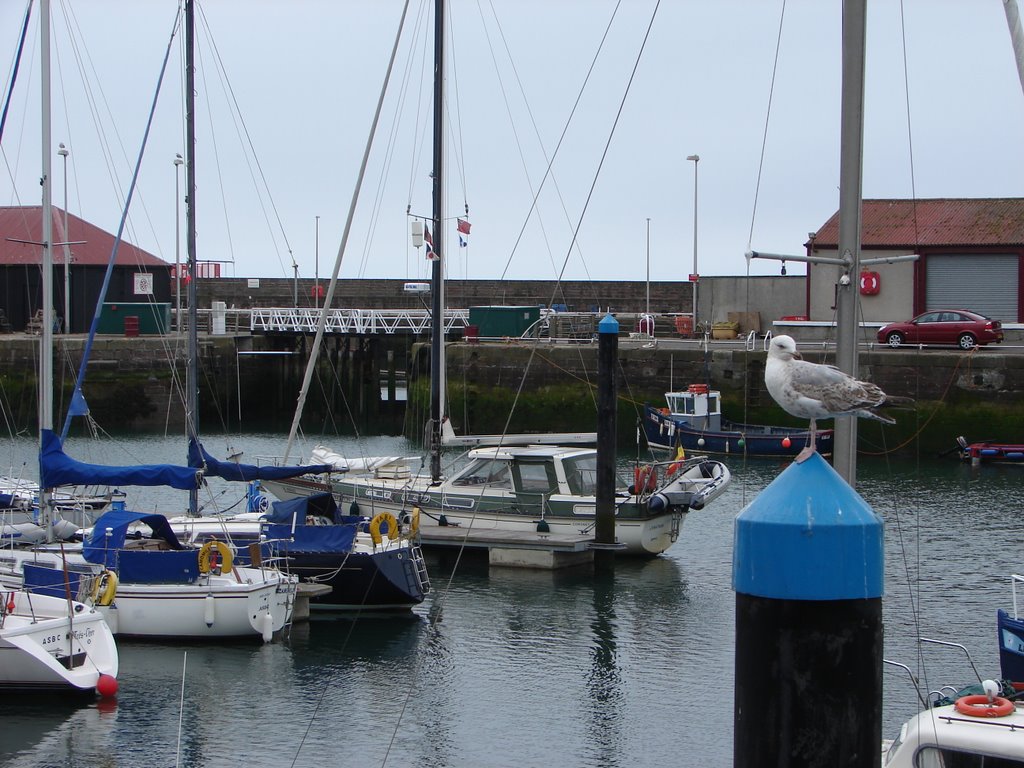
(306,76)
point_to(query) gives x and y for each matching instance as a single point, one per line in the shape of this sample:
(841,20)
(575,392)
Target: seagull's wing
(838,392)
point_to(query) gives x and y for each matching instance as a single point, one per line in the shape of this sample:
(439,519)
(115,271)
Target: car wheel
(966,341)
(894,339)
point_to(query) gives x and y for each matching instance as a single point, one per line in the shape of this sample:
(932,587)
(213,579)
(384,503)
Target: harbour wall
(252,381)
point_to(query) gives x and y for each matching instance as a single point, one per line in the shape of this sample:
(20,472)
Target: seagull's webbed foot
(805,454)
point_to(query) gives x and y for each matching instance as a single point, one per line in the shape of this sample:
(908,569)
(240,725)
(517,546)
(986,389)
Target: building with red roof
(970,256)
(138,276)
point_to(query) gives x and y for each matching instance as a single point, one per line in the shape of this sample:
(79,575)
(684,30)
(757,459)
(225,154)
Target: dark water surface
(525,668)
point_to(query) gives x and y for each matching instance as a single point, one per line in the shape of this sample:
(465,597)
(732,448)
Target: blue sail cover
(230,470)
(56,468)
(102,548)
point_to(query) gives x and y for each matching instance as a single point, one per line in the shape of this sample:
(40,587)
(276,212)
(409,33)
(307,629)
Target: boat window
(934,757)
(534,478)
(485,472)
(712,403)
(581,474)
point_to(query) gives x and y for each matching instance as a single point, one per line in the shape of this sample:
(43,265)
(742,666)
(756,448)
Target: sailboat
(52,643)
(148,584)
(364,570)
(512,483)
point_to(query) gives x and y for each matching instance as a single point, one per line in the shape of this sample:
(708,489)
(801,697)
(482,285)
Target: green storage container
(501,322)
(152,318)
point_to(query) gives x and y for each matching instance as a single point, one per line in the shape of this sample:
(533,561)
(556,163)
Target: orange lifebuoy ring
(644,478)
(980,706)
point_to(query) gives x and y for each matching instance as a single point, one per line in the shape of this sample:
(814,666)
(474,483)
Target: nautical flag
(463,228)
(431,255)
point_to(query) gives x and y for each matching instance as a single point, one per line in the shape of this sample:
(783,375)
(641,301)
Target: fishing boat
(989,452)
(692,421)
(1010,630)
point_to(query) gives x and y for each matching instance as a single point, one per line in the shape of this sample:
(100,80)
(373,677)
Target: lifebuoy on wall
(870,283)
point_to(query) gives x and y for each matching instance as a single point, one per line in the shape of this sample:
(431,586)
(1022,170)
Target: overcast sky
(944,113)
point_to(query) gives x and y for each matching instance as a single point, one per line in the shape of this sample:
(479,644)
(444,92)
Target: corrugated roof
(25,223)
(941,222)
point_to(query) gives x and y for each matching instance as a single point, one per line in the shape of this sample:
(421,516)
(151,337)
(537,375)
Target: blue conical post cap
(809,536)
(608,324)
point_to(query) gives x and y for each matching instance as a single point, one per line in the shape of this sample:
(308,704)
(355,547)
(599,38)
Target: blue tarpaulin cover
(310,538)
(56,468)
(230,470)
(321,504)
(101,548)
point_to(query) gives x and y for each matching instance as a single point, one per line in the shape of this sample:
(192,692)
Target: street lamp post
(647,305)
(178,161)
(63,152)
(696,274)
(316,263)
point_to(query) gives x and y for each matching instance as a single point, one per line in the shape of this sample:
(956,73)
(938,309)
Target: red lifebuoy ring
(869,283)
(979,706)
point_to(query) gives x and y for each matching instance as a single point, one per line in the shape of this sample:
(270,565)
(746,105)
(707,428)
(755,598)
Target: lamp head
(695,158)
(178,160)
(62,150)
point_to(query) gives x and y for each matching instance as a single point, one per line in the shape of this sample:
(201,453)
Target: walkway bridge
(352,321)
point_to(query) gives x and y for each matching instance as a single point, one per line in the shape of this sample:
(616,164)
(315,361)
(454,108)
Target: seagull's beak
(797,356)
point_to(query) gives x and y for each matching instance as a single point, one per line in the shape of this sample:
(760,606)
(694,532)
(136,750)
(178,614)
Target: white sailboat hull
(42,649)
(216,607)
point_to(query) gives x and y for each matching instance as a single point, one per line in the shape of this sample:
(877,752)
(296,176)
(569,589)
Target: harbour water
(525,668)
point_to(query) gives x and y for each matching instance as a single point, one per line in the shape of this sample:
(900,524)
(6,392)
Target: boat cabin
(698,407)
(532,469)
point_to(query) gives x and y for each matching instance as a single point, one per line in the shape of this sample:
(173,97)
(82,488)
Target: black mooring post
(808,568)
(607,400)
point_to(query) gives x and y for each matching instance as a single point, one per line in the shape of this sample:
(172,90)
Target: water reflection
(604,682)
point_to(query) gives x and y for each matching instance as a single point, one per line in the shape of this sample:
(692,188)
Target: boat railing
(767,340)
(913,679)
(751,341)
(1014,578)
(963,648)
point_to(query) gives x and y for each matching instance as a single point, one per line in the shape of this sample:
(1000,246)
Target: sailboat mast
(46,332)
(192,368)
(851,147)
(437,356)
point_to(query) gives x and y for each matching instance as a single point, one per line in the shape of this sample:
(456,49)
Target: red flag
(463,226)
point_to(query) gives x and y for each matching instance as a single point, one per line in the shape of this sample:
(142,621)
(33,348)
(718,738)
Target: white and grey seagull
(814,391)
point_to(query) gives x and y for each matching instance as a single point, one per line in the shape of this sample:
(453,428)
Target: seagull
(814,391)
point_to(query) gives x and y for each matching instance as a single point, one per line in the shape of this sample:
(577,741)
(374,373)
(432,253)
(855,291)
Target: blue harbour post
(808,575)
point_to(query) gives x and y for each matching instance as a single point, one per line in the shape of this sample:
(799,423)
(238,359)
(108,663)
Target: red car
(959,327)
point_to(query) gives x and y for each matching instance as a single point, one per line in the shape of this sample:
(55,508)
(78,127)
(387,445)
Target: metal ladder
(420,566)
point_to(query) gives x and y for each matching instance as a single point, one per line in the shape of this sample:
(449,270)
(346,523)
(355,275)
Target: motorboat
(528,488)
(982,725)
